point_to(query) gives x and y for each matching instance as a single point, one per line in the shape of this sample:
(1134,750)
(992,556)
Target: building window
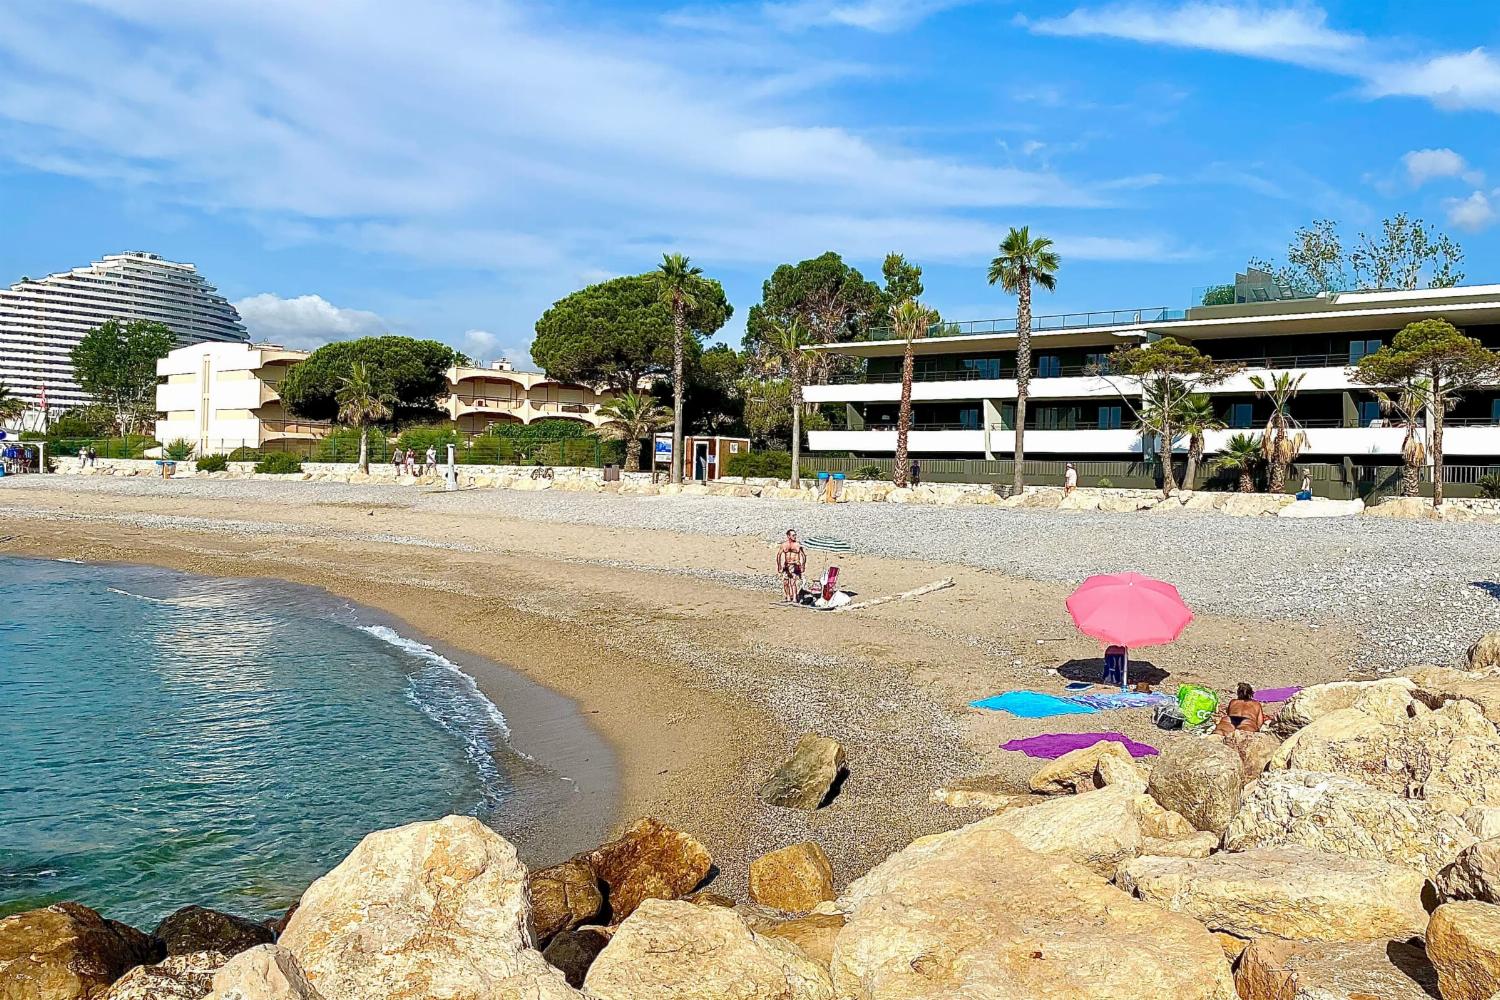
(1239,415)
(1111,418)
(983,367)
(968,418)
(1369,412)
(1360,348)
(1495,411)
(1096,361)
(1048,366)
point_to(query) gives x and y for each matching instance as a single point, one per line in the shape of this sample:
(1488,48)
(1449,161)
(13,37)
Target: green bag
(1198,703)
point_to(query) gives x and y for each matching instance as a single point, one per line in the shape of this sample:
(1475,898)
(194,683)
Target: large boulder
(1326,812)
(1484,655)
(1436,686)
(428,909)
(649,861)
(804,780)
(1463,943)
(795,878)
(673,950)
(1199,779)
(1321,507)
(1255,751)
(974,913)
(1079,770)
(1097,830)
(265,972)
(67,952)
(197,928)
(1273,969)
(1312,703)
(563,897)
(188,976)
(572,952)
(814,933)
(1474,874)
(1286,892)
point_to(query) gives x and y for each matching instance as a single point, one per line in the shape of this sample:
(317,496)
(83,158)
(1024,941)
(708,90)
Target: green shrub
(866,472)
(279,463)
(179,450)
(548,429)
(342,445)
(245,455)
(438,436)
(1219,295)
(763,465)
(1489,486)
(213,463)
(1105,483)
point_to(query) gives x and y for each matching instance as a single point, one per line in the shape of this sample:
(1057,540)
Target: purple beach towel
(1053,745)
(1276,694)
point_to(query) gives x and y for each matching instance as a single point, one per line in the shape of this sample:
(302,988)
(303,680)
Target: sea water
(168,739)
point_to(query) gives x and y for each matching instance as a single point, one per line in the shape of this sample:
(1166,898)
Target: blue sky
(449,168)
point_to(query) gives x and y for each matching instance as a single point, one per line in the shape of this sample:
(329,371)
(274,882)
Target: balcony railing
(491,402)
(1043,324)
(316,428)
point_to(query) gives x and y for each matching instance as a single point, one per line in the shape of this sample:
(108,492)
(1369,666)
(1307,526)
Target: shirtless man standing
(791,557)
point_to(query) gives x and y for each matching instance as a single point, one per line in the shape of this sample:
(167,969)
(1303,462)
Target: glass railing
(1043,324)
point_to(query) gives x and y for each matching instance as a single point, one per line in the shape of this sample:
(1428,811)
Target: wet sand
(673,649)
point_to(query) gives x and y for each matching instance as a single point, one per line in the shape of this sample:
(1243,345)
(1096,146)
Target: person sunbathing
(1243,715)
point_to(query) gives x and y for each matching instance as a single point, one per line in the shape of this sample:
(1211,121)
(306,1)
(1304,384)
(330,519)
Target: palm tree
(678,283)
(911,321)
(1241,454)
(785,356)
(1196,417)
(629,417)
(1283,439)
(1409,404)
(359,406)
(11,406)
(1022,261)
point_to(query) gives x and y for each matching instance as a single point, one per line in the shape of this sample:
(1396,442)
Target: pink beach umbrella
(1128,609)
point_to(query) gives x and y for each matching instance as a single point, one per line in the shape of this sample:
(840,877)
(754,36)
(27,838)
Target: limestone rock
(795,878)
(1078,770)
(67,952)
(974,913)
(668,950)
(1161,824)
(186,976)
(1113,772)
(1475,874)
(1326,812)
(649,861)
(1463,943)
(428,909)
(572,952)
(1200,779)
(1287,892)
(1437,686)
(1312,703)
(1484,821)
(1254,504)
(1484,655)
(1194,845)
(1345,741)
(1321,507)
(563,897)
(975,798)
(1272,969)
(1097,830)
(265,972)
(814,934)
(804,780)
(1255,751)
(197,928)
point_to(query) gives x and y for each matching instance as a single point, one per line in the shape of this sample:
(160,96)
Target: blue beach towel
(1031,705)
(1108,701)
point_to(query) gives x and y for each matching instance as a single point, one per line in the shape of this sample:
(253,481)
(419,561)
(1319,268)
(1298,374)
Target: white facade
(42,319)
(222,396)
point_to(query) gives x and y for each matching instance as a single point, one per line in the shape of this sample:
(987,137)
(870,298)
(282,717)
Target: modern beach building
(42,319)
(965,388)
(222,397)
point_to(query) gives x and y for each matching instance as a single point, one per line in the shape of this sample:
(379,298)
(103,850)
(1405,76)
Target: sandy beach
(671,645)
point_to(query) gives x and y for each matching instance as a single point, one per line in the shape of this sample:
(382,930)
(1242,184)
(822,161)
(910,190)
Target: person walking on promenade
(1070,479)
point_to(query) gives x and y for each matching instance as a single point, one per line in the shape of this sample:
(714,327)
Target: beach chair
(1116,665)
(830,583)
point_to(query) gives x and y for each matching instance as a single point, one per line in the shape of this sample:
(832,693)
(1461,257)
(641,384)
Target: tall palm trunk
(1195,455)
(1277,481)
(903,420)
(1164,452)
(364,449)
(633,454)
(796,481)
(1437,449)
(1023,379)
(1247,480)
(1411,462)
(678,321)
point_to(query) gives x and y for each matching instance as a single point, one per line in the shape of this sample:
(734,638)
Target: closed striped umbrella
(827,543)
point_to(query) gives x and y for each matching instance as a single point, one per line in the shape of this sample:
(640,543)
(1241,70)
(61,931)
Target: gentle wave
(453,700)
(174,602)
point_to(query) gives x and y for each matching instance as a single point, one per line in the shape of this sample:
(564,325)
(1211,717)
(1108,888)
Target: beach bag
(1167,716)
(1197,703)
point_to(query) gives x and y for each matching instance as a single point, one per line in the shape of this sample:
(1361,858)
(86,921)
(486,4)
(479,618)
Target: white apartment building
(222,397)
(42,319)
(965,388)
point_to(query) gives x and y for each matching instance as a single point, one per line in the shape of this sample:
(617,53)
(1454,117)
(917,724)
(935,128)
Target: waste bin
(611,473)
(838,486)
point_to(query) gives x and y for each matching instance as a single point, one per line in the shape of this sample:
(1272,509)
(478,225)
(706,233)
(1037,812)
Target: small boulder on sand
(1198,778)
(1079,770)
(804,780)
(1463,943)
(649,861)
(66,952)
(1273,969)
(795,878)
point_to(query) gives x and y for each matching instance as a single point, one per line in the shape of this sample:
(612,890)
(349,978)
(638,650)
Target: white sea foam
(205,601)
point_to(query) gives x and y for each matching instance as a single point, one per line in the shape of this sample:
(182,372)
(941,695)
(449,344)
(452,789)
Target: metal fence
(589,452)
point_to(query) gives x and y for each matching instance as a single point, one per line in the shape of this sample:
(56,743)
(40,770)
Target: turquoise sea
(168,739)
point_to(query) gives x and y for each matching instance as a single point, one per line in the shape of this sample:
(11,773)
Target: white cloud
(483,347)
(883,16)
(1459,80)
(305,321)
(1423,165)
(1473,213)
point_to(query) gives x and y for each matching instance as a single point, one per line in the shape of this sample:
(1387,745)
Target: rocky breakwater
(1351,854)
